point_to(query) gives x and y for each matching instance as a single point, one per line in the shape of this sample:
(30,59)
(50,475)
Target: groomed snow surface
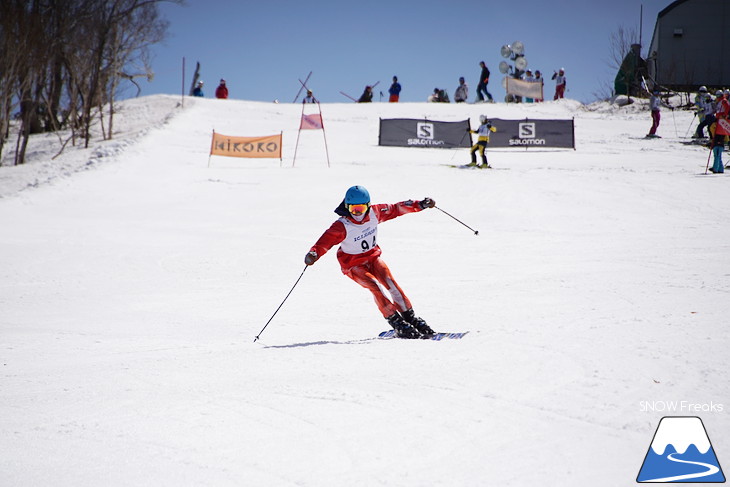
(134,278)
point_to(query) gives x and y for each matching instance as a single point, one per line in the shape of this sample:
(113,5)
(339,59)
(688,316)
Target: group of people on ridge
(715,115)
(221,91)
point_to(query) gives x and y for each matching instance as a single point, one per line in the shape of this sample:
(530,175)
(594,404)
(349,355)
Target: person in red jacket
(222,91)
(356,232)
(722,130)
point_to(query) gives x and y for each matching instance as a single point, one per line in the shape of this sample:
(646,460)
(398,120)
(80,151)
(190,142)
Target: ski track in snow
(133,280)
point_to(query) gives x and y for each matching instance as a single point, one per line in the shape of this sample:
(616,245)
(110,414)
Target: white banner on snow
(528,89)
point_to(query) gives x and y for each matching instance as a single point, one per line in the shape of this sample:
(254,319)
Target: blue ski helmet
(357,195)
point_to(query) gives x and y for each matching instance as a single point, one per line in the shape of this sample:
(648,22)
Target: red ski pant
(559,92)
(376,278)
(655,119)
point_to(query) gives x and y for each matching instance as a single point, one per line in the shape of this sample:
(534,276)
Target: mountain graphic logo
(681,452)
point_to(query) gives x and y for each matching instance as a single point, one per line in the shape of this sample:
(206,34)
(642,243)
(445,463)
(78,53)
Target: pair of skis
(435,336)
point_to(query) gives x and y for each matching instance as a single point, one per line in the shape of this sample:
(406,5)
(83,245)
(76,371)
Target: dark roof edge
(669,7)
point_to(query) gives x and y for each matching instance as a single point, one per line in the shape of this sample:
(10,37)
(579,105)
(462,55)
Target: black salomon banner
(533,133)
(408,132)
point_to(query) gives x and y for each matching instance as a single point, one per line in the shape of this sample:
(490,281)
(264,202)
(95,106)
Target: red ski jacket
(359,239)
(221,92)
(722,113)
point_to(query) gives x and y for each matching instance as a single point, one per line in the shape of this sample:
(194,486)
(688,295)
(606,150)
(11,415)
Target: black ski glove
(311,257)
(426,203)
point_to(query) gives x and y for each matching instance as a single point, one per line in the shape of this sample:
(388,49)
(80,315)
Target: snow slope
(134,278)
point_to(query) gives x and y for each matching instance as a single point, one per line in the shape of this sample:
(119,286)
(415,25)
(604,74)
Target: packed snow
(135,274)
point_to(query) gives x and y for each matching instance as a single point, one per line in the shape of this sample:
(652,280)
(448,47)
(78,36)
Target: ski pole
(690,125)
(476,232)
(282,304)
(460,142)
(708,159)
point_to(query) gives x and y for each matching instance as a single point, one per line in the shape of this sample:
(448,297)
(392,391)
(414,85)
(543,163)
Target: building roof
(670,7)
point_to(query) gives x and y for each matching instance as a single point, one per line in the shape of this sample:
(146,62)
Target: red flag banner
(311,122)
(723,126)
(260,147)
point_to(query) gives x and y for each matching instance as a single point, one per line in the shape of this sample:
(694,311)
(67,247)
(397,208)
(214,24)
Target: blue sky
(263,47)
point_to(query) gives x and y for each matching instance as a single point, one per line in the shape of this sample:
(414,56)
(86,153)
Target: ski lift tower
(515,52)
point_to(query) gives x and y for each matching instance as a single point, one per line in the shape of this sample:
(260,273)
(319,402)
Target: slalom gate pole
(282,304)
(476,232)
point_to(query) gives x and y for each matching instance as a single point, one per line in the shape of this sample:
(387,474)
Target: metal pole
(282,304)
(326,150)
(476,232)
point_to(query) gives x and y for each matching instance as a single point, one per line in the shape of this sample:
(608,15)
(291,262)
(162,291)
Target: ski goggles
(358,209)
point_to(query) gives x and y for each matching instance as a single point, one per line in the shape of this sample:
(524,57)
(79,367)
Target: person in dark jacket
(198,91)
(394,91)
(483,81)
(367,95)
(222,90)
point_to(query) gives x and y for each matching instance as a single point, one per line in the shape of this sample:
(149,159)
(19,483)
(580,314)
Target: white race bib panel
(360,238)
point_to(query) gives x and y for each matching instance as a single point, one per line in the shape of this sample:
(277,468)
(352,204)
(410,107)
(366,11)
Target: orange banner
(261,147)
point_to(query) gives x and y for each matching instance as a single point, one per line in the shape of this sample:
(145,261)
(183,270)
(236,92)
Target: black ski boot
(402,328)
(418,323)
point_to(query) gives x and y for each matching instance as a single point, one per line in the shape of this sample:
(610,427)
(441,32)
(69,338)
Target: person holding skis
(484,130)
(367,95)
(310,98)
(356,233)
(560,83)
(394,91)
(655,103)
(198,91)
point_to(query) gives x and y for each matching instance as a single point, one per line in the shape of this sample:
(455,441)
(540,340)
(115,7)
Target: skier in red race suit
(359,256)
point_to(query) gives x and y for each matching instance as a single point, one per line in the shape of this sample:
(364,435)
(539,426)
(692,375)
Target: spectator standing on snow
(722,130)
(705,112)
(198,91)
(483,81)
(367,95)
(309,98)
(221,91)
(531,79)
(462,92)
(439,96)
(560,83)
(394,91)
(356,233)
(539,78)
(655,104)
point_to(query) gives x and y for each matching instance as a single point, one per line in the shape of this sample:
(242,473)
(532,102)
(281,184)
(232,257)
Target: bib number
(367,246)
